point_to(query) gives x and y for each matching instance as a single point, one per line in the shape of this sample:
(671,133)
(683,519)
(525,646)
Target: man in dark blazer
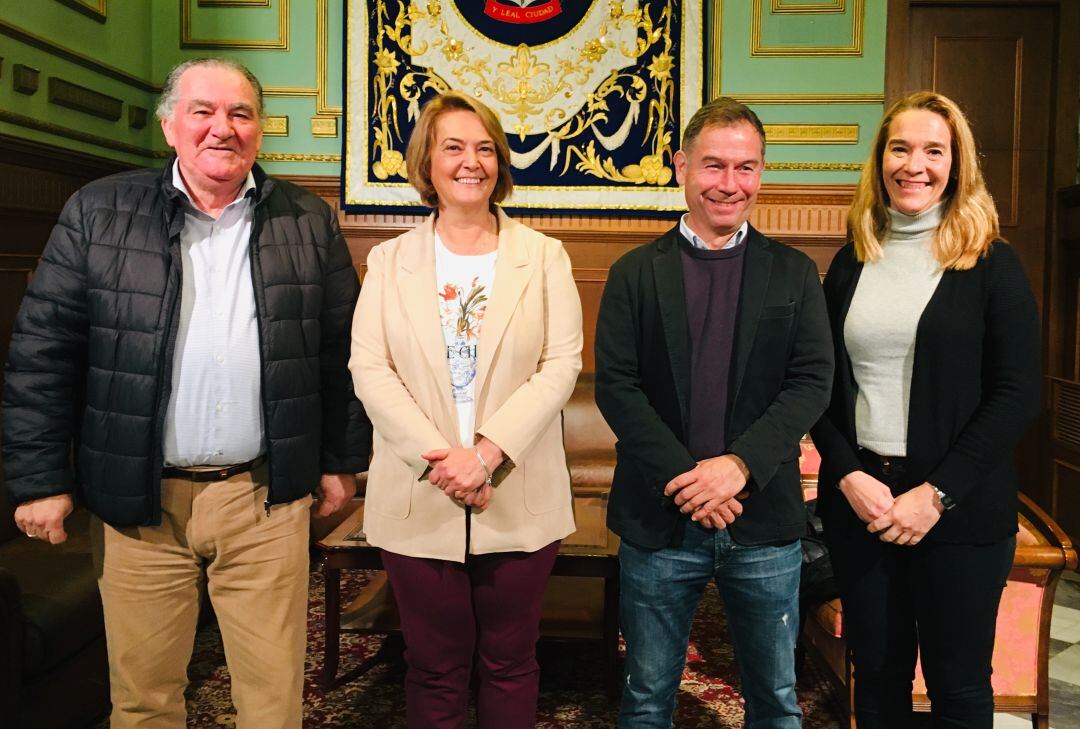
(713,358)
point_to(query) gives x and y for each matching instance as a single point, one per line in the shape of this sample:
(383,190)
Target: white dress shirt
(214,416)
(698,242)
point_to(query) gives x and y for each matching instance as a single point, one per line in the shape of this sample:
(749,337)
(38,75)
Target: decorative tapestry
(593,94)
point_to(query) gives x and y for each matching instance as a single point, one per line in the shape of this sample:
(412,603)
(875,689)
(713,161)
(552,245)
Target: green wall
(817,62)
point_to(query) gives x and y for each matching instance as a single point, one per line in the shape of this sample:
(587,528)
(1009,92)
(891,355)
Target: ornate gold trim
(813,166)
(271,157)
(812,133)
(493,42)
(43,44)
(281,43)
(288,91)
(94,9)
(854,48)
(324,126)
(779,7)
(809,99)
(275,126)
(234,3)
(78,136)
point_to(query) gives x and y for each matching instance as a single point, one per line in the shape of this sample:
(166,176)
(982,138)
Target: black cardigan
(974,390)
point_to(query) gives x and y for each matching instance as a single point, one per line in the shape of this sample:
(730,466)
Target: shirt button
(220,359)
(220,407)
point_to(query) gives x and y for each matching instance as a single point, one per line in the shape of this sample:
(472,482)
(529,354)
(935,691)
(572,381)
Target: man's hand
(912,515)
(869,498)
(44,518)
(335,490)
(721,516)
(711,483)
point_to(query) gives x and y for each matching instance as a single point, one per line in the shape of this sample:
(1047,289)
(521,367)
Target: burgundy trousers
(489,607)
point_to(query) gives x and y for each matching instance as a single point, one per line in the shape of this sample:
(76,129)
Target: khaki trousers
(256,571)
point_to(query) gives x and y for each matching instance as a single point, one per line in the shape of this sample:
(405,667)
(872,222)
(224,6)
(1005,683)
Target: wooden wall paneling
(809,217)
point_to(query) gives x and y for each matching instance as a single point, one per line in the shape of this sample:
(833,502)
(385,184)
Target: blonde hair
(969,223)
(418,150)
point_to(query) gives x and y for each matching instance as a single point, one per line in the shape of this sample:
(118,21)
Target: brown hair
(418,150)
(970,221)
(723,111)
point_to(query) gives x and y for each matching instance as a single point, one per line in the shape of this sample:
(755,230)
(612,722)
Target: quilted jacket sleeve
(46,364)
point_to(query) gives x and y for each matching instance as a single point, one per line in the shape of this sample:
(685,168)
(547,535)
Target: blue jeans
(660,592)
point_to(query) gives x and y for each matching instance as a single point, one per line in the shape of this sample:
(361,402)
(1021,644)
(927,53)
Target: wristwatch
(946,500)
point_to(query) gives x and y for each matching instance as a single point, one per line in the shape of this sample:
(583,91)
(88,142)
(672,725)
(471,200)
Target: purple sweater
(712,281)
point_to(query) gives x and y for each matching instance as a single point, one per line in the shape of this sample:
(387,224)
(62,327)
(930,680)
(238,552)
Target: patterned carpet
(571,690)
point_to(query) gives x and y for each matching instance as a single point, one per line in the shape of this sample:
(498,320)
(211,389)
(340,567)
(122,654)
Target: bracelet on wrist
(483,465)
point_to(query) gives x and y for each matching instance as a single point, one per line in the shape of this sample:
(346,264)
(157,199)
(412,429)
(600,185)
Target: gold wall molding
(275,126)
(833,6)
(94,9)
(43,44)
(78,135)
(809,99)
(854,48)
(813,166)
(322,58)
(324,126)
(715,73)
(272,157)
(88,101)
(322,64)
(281,43)
(234,3)
(812,133)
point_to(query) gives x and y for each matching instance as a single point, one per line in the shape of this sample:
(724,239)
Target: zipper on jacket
(168,351)
(256,287)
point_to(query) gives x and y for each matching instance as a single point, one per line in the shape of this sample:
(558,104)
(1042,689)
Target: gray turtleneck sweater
(879,331)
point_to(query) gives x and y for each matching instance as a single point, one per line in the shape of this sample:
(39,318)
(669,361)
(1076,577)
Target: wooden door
(1004,63)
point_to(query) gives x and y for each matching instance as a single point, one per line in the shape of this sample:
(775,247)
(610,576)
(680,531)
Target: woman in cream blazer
(469,521)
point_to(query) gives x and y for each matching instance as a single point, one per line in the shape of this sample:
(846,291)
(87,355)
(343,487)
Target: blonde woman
(466,345)
(937,377)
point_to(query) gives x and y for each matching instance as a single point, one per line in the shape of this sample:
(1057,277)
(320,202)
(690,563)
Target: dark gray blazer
(783,368)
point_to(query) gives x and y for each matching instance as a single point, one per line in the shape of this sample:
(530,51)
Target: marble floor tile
(1014,721)
(1065,666)
(1068,594)
(1064,704)
(1065,624)
(1057,646)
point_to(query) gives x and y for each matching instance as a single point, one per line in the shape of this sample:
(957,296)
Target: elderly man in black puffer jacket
(187,332)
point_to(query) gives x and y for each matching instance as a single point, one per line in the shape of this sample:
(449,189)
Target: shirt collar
(178,183)
(697,242)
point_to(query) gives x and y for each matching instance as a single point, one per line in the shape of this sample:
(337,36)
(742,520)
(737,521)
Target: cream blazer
(528,360)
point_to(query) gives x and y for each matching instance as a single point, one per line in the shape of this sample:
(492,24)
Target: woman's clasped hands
(464,474)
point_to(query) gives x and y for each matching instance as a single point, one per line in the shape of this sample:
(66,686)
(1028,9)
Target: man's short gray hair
(170,92)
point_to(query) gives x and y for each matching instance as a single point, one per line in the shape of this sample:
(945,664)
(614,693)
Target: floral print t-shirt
(464,291)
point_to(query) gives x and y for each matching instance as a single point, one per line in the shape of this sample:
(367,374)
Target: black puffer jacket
(90,358)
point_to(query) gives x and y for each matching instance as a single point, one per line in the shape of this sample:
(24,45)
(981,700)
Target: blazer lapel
(419,300)
(512,272)
(671,299)
(755,283)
